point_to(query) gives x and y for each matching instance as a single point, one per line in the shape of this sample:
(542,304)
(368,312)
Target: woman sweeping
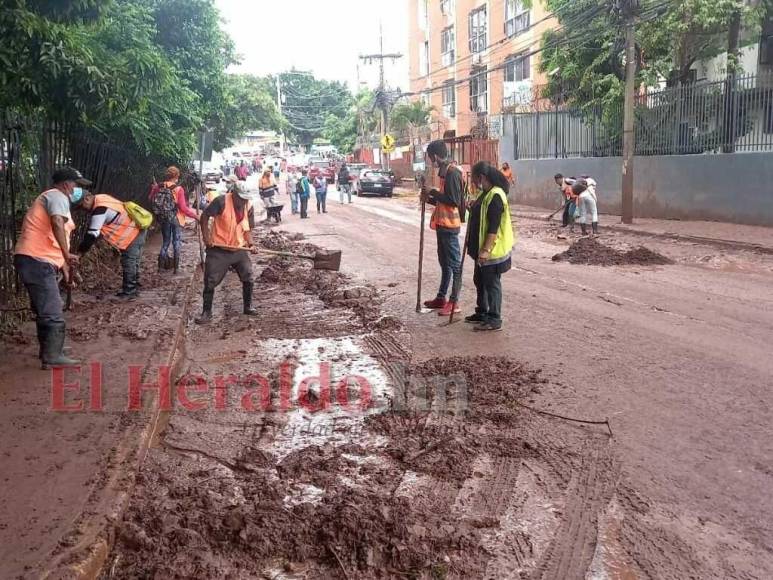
(490,244)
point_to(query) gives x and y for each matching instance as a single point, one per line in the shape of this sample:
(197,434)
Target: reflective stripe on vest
(505,240)
(37,238)
(444,215)
(226,231)
(122,231)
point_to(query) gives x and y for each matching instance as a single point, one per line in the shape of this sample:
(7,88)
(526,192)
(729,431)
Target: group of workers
(580,202)
(43,254)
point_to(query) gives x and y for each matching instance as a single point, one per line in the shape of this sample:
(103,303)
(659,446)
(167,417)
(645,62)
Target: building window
(425,98)
(479,91)
(424,58)
(447,45)
(449,100)
(423,14)
(477,26)
(517,68)
(517,17)
(446,7)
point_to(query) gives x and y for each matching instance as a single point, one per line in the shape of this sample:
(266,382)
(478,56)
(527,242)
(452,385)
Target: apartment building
(470,58)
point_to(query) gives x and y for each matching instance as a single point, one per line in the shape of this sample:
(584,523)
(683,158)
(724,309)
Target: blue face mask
(77,195)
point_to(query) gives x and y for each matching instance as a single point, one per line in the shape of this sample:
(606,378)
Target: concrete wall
(734,187)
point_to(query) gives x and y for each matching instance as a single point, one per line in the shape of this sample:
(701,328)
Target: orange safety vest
(226,231)
(122,231)
(445,216)
(37,238)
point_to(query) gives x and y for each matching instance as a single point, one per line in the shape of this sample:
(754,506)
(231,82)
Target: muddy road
(341,435)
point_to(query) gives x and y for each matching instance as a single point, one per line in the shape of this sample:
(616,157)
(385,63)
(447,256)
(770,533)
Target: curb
(86,559)
(717,242)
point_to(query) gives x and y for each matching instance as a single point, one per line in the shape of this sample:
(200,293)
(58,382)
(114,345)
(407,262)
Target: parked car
(354,173)
(375,181)
(212,173)
(322,167)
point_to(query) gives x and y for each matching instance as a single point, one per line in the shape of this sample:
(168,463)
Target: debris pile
(590,252)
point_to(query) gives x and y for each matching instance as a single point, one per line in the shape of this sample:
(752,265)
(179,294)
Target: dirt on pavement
(413,477)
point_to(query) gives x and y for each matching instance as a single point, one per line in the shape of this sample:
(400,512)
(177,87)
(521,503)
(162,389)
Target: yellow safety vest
(506,237)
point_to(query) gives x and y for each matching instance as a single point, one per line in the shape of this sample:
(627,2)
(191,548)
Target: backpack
(299,187)
(139,215)
(165,204)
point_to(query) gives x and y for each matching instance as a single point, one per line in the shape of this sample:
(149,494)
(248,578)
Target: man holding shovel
(227,242)
(446,221)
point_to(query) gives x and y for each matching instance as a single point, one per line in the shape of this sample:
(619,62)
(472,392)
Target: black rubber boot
(595,226)
(584,229)
(247,299)
(41,338)
(206,309)
(176,263)
(53,346)
(161,262)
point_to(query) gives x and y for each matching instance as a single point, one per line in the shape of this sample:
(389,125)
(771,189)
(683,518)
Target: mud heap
(590,252)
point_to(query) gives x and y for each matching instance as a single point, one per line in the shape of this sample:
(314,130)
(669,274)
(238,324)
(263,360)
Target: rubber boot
(161,262)
(247,299)
(584,229)
(206,310)
(41,338)
(176,262)
(53,346)
(595,226)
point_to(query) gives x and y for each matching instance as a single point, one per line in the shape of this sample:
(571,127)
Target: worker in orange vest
(42,253)
(110,219)
(446,221)
(227,242)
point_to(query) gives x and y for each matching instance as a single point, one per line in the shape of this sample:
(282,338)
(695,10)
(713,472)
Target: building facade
(470,59)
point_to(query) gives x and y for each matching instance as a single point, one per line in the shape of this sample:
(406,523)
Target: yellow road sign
(388,143)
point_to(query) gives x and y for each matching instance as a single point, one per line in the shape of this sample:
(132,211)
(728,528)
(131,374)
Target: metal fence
(30,150)
(733,115)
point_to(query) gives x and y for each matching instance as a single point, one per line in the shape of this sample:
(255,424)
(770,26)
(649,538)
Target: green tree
(411,114)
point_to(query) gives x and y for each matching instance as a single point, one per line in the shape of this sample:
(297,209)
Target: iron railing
(732,115)
(30,151)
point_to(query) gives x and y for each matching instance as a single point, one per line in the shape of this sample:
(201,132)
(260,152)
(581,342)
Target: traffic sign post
(388,143)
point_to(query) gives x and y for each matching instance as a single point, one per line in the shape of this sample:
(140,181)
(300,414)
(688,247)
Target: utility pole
(629,8)
(279,108)
(384,98)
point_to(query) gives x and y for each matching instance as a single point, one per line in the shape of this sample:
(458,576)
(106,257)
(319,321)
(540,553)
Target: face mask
(77,194)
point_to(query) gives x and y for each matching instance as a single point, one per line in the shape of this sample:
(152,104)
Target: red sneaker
(448,308)
(436,304)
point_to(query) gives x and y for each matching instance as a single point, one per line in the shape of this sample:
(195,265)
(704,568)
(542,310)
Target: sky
(323,37)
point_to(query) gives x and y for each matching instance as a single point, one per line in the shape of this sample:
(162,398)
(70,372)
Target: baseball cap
(240,190)
(70,174)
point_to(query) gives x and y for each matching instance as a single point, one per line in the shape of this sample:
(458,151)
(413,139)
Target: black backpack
(299,187)
(165,204)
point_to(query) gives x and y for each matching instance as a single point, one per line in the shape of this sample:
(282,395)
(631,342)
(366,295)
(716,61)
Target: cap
(240,190)
(70,174)
(232,179)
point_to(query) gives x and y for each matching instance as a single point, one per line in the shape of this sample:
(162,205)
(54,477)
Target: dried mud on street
(397,470)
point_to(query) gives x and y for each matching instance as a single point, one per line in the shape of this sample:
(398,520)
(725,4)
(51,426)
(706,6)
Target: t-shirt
(56,203)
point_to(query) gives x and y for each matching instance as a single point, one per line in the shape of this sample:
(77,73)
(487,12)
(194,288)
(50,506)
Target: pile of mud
(346,511)
(590,252)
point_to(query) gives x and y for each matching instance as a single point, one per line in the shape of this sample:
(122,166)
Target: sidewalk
(722,234)
(66,474)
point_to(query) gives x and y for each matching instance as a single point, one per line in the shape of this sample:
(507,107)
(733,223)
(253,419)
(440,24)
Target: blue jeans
(294,202)
(131,258)
(171,233)
(450,259)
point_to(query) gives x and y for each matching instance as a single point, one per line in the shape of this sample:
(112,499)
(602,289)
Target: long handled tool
(322,259)
(198,226)
(550,217)
(422,182)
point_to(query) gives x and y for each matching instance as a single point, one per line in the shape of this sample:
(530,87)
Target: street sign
(388,143)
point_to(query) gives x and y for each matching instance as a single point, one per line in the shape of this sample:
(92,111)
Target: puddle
(333,381)
(610,562)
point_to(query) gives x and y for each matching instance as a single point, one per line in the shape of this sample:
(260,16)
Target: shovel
(550,217)
(323,260)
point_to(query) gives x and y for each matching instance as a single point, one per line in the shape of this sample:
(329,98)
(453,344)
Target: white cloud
(323,37)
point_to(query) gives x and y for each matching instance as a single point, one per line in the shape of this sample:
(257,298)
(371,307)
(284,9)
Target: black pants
(488,283)
(304,207)
(41,281)
(219,261)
